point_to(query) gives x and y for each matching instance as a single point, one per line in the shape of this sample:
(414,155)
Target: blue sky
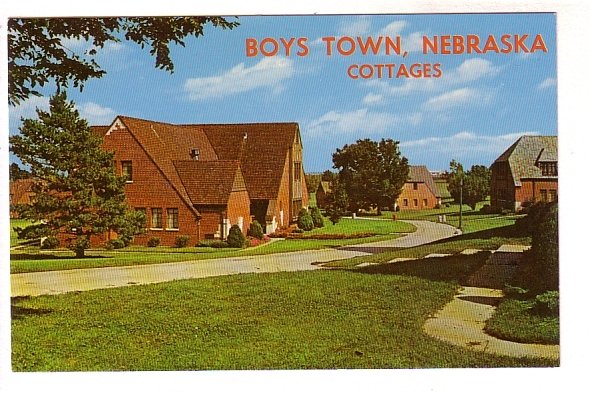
(479,106)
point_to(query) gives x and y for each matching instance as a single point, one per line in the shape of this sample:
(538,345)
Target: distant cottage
(525,173)
(419,191)
(200,179)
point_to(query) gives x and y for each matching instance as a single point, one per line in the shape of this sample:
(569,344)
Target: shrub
(181,241)
(79,245)
(317,218)
(547,303)
(304,220)
(213,244)
(545,247)
(49,243)
(297,230)
(115,244)
(255,230)
(153,242)
(236,238)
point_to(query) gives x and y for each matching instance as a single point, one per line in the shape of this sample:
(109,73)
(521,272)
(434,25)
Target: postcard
(285,192)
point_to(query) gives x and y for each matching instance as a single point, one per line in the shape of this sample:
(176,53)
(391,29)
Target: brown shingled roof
(421,174)
(209,182)
(261,148)
(525,153)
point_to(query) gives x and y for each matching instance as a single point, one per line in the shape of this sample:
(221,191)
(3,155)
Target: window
(415,186)
(172,218)
(415,203)
(156,218)
(127,170)
(552,195)
(548,168)
(424,202)
(543,195)
(405,202)
(297,171)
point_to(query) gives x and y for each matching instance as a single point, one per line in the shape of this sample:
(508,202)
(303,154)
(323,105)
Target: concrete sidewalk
(461,322)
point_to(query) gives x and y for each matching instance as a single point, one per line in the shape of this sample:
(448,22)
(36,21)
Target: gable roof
(420,174)
(525,154)
(210,182)
(261,148)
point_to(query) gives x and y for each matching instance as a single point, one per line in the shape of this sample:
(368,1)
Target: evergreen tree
(336,202)
(75,185)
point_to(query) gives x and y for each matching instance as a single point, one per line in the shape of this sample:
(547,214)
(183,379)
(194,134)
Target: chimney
(195,154)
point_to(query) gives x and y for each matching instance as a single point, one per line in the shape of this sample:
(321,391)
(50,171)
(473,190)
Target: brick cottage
(200,179)
(419,191)
(525,173)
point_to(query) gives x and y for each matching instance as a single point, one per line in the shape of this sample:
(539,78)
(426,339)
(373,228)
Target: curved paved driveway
(56,282)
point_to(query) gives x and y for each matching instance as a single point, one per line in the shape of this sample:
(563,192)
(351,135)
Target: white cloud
(394,28)
(361,121)
(372,98)
(453,98)
(463,145)
(26,110)
(473,69)
(269,73)
(360,25)
(547,83)
(96,114)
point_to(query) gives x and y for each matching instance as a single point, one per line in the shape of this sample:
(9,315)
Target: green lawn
(488,239)
(363,318)
(31,259)
(15,222)
(472,220)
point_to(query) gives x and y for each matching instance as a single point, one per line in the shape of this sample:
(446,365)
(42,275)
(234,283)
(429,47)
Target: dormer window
(195,154)
(127,171)
(548,168)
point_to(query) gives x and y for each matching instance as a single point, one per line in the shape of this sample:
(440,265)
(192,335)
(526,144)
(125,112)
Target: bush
(49,243)
(153,242)
(547,303)
(255,230)
(316,217)
(115,244)
(304,220)
(79,245)
(236,238)
(213,244)
(181,241)
(545,247)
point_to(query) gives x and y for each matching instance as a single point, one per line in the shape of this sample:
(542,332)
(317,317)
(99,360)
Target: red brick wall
(284,198)
(239,206)
(150,189)
(530,190)
(419,195)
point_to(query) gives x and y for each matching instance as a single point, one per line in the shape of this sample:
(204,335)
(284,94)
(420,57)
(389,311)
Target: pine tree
(75,185)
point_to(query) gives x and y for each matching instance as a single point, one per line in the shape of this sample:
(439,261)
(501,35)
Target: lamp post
(461,205)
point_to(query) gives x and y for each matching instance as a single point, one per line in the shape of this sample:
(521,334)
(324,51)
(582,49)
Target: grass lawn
(472,220)
(488,239)
(519,317)
(31,259)
(363,318)
(15,222)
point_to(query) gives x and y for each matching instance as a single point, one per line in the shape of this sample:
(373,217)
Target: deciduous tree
(38,51)
(372,173)
(476,183)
